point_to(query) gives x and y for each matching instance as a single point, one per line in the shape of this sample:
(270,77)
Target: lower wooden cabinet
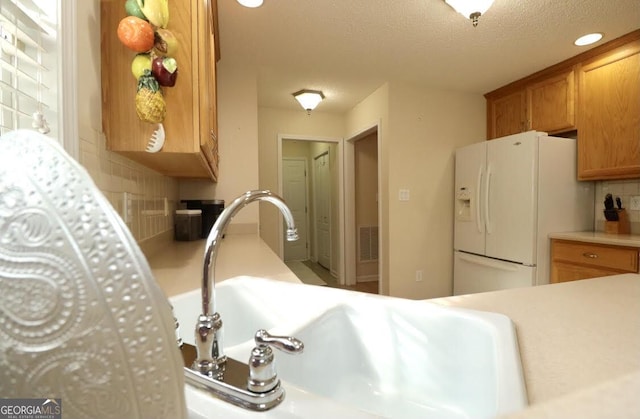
(573,260)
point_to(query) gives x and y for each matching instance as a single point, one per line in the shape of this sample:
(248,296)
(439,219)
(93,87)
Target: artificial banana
(156,11)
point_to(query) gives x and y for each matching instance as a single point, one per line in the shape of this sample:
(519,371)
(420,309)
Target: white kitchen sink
(366,355)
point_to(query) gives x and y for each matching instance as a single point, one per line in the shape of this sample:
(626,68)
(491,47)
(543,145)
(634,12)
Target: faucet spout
(209,349)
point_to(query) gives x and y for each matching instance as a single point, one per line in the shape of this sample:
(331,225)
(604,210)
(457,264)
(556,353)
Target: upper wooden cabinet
(609,115)
(191,143)
(507,114)
(544,104)
(551,103)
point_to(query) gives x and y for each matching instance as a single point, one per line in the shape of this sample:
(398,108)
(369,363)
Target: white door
(469,180)
(294,193)
(322,200)
(474,274)
(511,184)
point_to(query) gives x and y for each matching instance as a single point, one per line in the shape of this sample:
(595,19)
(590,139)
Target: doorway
(366,208)
(296,195)
(322,217)
(364,236)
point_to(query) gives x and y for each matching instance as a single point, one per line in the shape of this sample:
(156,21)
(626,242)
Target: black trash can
(211,209)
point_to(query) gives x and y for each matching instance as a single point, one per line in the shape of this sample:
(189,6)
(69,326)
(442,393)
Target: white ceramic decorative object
(81,317)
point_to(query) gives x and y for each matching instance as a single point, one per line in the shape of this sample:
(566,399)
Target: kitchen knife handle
(590,255)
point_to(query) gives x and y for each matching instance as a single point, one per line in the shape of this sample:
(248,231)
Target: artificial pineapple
(150,104)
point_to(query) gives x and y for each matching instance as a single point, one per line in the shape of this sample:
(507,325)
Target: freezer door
(510,185)
(469,176)
(472,274)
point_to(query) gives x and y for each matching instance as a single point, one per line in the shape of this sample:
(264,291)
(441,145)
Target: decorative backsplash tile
(625,189)
(145,189)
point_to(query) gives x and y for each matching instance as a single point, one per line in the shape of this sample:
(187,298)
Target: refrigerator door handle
(487,194)
(491,263)
(479,220)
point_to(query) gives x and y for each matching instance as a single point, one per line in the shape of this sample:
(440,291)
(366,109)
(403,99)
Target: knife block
(622,226)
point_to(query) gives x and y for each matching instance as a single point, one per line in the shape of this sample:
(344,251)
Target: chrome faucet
(210,356)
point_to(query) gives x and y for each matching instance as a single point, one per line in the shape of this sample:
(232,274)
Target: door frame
(340,242)
(306,198)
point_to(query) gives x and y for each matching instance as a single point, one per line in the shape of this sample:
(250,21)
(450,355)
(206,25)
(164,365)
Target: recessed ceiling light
(250,3)
(588,39)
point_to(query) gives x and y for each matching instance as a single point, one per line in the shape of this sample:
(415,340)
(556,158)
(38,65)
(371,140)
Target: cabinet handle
(590,255)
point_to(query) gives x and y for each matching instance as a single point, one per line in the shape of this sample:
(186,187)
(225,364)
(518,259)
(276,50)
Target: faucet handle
(262,367)
(286,344)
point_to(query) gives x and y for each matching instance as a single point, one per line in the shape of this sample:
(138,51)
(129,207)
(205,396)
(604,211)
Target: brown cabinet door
(565,272)
(572,260)
(609,115)
(507,115)
(551,104)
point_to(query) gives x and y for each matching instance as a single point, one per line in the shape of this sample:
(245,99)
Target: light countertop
(178,267)
(598,237)
(574,337)
(579,341)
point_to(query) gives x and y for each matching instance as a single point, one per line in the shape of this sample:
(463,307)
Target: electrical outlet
(418,276)
(403,194)
(634,203)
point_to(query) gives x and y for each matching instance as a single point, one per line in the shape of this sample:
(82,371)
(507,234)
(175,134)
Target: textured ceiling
(348,48)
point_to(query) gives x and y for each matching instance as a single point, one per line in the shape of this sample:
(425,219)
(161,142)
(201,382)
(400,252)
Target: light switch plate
(403,194)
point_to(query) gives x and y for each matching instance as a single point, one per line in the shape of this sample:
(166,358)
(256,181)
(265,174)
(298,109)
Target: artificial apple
(165,70)
(166,43)
(140,63)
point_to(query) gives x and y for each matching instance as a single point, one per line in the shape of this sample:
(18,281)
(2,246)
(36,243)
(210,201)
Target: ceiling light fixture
(471,9)
(250,3)
(588,39)
(309,99)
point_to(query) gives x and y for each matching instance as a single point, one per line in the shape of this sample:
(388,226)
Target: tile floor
(370,287)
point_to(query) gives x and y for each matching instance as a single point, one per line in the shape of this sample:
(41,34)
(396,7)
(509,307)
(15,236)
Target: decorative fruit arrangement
(144,31)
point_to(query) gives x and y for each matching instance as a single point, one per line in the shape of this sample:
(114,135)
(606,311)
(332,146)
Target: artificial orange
(136,34)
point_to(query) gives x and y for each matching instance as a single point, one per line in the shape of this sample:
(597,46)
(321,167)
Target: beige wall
(271,123)
(112,173)
(425,127)
(238,147)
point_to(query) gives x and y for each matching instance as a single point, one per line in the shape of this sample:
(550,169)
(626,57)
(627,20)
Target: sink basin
(371,355)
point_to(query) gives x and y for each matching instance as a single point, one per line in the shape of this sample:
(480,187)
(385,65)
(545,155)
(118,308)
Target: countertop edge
(598,237)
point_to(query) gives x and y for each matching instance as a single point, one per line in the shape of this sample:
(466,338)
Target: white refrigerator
(510,193)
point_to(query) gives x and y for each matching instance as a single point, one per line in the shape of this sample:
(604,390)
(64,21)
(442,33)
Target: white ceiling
(348,48)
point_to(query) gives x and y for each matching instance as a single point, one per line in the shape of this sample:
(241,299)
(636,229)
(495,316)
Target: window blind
(28,62)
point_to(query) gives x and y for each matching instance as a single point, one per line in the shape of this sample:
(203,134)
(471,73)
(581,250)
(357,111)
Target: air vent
(368,243)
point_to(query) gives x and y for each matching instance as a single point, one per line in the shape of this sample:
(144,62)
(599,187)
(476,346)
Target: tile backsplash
(625,189)
(146,190)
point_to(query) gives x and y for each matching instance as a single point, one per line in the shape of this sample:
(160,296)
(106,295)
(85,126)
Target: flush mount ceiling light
(309,99)
(588,39)
(250,3)
(471,9)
